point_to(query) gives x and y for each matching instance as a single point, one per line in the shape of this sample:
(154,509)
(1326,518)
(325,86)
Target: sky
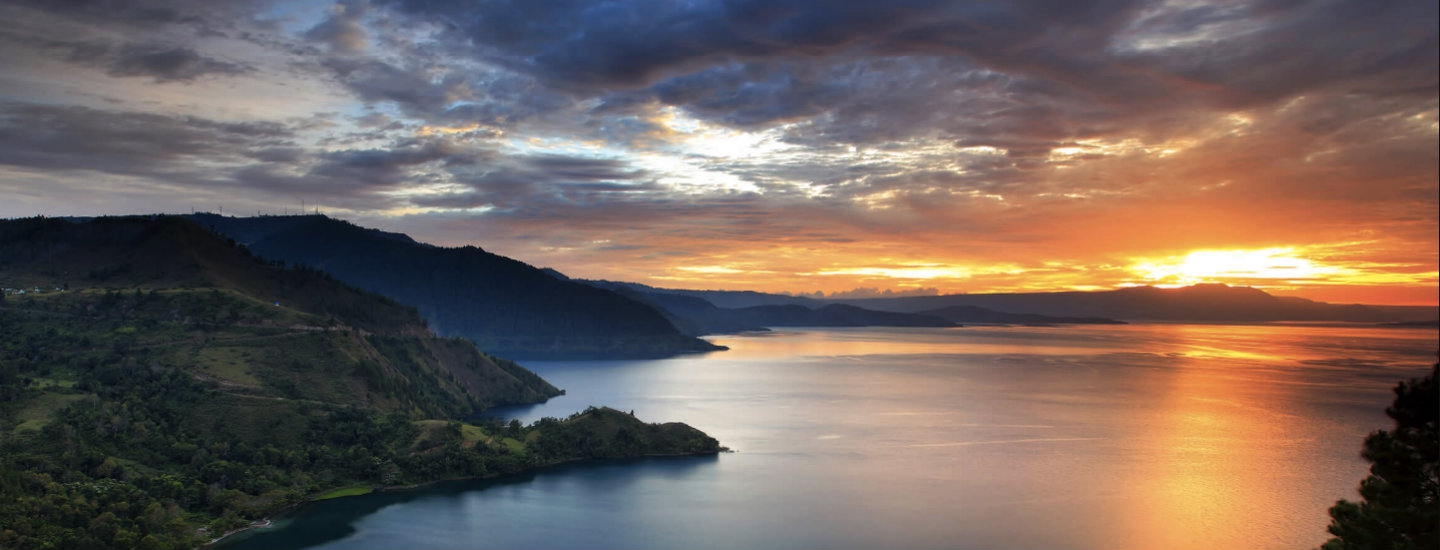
(841,147)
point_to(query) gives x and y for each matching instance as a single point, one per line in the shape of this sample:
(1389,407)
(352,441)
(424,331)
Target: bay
(1133,436)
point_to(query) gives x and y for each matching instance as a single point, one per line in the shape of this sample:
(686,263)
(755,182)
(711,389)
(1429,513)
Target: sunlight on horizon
(1210,266)
(1338,272)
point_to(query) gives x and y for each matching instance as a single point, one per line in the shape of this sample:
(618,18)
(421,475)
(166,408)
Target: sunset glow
(814,147)
(1212,266)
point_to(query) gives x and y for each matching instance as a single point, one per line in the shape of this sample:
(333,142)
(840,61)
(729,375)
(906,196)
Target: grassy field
(470,435)
(227,363)
(37,410)
(345,492)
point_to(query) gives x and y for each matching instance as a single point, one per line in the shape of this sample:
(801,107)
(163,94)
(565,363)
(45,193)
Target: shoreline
(269,521)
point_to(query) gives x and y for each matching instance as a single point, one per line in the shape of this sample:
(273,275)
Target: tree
(1401,506)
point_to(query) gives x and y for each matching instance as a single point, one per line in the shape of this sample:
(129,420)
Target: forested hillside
(159,386)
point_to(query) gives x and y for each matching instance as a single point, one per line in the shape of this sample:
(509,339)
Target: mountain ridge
(1212,302)
(1198,303)
(173,271)
(507,307)
(697,315)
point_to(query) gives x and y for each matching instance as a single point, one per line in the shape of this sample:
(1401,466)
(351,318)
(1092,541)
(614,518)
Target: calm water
(1137,436)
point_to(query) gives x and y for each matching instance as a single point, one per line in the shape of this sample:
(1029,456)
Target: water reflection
(443,515)
(1214,456)
(1137,436)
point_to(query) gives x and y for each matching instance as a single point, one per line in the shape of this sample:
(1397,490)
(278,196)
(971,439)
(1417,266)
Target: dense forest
(160,386)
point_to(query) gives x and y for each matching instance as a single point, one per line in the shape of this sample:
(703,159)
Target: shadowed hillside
(188,298)
(507,307)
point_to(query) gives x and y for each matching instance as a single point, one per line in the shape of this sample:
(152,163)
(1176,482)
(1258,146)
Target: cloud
(216,155)
(545,186)
(873,292)
(776,137)
(1024,76)
(161,62)
(635,43)
(69,138)
(409,87)
(212,17)
(166,64)
(342,30)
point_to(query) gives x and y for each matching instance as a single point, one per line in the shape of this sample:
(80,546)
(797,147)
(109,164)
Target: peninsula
(159,386)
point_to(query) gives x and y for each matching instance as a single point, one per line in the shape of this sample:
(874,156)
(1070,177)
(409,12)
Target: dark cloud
(80,138)
(578,169)
(208,18)
(1299,47)
(283,155)
(389,166)
(637,43)
(363,178)
(379,121)
(412,88)
(161,62)
(168,63)
(198,152)
(135,12)
(538,183)
(452,92)
(630,44)
(1039,73)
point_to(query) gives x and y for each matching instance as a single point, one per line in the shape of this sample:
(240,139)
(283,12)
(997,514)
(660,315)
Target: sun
(1280,264)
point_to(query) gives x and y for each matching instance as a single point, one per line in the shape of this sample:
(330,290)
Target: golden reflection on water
(1223,443)
(1223,455)
(1218,458)
(839,342)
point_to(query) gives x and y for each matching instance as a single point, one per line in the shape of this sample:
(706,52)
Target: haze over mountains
(750,311)
(1198,303)
(1202,302)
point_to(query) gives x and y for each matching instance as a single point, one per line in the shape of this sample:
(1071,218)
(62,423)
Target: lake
(1133,436)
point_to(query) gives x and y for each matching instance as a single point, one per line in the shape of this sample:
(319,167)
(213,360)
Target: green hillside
(159,386)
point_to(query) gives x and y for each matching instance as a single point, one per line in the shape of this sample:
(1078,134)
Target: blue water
(1137,436)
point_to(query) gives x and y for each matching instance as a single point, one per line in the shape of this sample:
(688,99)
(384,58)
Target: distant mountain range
(1198,303)
(976,315)
(507,307)
(1203,302)
(694,312)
